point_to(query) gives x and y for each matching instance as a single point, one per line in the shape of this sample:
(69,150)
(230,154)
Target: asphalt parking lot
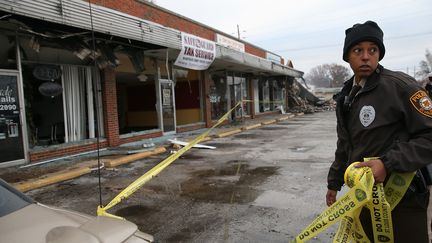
(262,185)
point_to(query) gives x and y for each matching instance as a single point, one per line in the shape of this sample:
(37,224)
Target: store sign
(50,89)
(274,58)
(196,53)
(166,97)
(47,72)
(8,95)
(230,43)
(11,146)
(214,98)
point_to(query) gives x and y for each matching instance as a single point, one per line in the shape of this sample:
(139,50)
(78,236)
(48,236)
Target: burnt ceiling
(79,41)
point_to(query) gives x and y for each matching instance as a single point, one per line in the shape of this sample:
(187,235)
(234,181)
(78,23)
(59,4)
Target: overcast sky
(311,32)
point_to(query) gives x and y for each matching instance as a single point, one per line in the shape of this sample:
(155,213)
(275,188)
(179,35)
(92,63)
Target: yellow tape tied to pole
(364,192)
(138,183)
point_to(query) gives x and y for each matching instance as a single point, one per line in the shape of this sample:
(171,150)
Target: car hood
(40,223)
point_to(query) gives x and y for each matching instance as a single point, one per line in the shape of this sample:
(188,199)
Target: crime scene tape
(364,192)
(138,183)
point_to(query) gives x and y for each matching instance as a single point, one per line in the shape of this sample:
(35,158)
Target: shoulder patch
(423,104)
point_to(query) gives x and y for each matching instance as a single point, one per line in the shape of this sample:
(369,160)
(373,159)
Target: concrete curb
(268,122)
(68,174)
(133,157)
(251,126)
(51,178)
(228,133)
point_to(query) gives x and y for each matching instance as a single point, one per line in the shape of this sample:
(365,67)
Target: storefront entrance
(238,88)
(11,132)
(167,106)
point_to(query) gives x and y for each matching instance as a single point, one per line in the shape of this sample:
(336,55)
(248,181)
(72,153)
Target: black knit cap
(368,31)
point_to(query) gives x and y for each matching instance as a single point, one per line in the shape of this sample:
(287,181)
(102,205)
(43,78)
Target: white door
(167,106)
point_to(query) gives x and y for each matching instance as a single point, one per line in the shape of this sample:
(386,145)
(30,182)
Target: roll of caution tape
(364,192)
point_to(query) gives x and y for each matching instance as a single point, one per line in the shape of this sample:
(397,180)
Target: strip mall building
(119,71)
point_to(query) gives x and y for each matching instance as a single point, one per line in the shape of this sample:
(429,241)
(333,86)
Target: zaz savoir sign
(196,53)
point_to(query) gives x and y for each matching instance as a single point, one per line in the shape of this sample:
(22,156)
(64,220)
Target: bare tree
(328,75)
(318,76)
(425,67)
(339,74)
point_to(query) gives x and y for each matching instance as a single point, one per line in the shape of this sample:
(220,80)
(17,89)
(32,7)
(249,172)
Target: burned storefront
(76,77)
(161,98)
(56,100)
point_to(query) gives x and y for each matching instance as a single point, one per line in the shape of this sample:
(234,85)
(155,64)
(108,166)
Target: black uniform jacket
(390,118)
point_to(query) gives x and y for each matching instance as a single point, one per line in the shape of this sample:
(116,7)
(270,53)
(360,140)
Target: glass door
(167,106)
(238,92)
(11,132)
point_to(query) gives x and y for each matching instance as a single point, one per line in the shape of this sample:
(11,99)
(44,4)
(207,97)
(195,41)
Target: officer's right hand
(331,197)
(378,170)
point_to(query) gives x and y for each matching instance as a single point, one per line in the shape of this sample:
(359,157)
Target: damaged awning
(76,13)
(36,34)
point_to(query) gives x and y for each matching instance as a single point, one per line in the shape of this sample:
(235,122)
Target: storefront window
(278,95)
(218,95)
(136,94)
(61,103)
(238,93)
(7,52)
(187,96)
(264,95)
(271,94)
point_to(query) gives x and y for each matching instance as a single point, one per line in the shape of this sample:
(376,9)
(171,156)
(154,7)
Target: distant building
(326,93)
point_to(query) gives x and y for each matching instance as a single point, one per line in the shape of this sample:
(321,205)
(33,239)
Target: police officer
(385,114)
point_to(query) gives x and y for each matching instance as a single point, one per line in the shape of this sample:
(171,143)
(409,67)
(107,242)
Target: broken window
(66,115)
(239,92)
(187,96)
(218,95)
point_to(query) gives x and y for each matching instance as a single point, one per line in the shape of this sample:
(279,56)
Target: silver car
(24,220)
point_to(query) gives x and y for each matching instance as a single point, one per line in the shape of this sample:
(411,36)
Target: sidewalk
(33,176)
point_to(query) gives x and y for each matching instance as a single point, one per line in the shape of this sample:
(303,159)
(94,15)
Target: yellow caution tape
(267,102)
(364,192)
(138,183)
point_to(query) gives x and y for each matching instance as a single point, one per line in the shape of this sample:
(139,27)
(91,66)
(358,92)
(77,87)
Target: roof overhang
(76,13)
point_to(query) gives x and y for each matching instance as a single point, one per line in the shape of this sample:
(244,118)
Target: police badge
(367,115)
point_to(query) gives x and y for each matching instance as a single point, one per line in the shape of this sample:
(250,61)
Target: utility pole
(238,33)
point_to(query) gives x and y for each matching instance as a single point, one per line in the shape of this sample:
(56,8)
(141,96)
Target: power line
(335,45)
(325,20)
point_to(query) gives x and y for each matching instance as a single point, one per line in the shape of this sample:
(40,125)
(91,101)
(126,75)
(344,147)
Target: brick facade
(109,101)
(64,151)
(190,128)
(148,11)
(140,137)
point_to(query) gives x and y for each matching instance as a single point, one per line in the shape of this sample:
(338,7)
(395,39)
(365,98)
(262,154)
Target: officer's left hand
(378,170)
